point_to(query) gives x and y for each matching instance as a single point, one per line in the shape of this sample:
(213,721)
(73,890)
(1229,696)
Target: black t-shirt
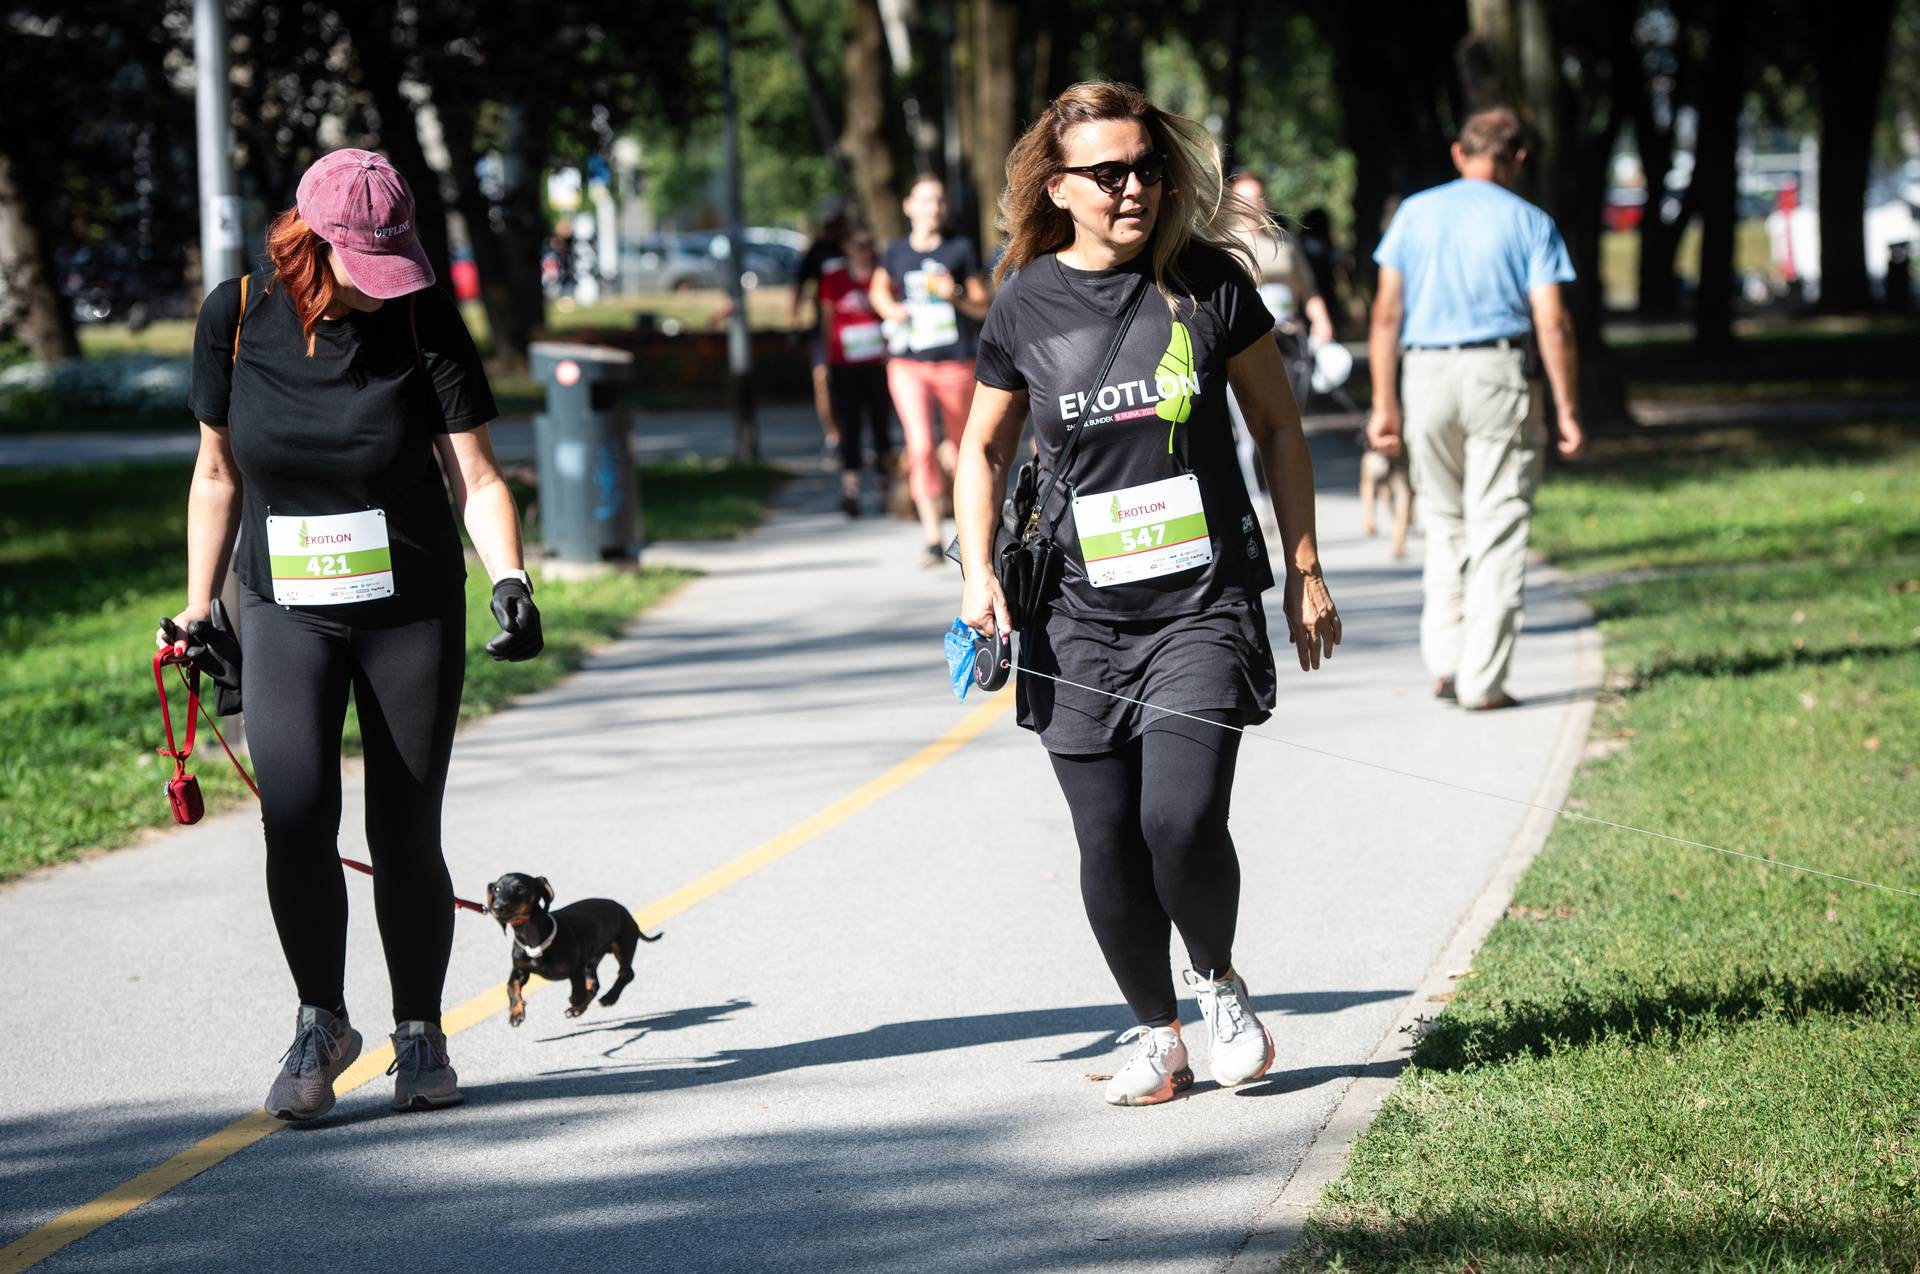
(1161,414)
(348,429)
(812,264)
(932,318)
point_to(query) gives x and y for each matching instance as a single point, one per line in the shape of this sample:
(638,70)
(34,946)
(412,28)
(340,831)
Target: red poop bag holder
(183,790)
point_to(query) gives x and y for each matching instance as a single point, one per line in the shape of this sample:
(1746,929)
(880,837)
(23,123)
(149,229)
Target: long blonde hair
(1196,203)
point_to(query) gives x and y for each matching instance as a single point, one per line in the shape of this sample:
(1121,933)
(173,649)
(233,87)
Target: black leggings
(862,407)
(296,669)
(1151,819)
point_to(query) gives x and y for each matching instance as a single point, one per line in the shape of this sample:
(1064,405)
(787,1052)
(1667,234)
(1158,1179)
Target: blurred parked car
(669,263)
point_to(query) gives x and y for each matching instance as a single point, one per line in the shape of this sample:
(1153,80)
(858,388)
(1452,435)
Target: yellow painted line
(37,1245)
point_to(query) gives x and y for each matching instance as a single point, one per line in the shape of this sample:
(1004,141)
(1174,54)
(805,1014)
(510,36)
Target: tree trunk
(46,324)
(1713,171)
(1237,54)
(510,338)
(523,222)
(864,143)
(819,109)
(1064,28)
(996,25)
(1393,106)
(1850,59)
(371,29)
(1658,293)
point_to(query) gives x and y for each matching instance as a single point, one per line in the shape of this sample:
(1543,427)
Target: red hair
(300,262)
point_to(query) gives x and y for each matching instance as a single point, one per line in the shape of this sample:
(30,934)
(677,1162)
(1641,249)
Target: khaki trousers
(1474,448)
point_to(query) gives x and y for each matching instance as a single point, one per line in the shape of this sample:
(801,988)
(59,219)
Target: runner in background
(856,352)
(1131,312)
(824,248)
(1300,318)
(930,287)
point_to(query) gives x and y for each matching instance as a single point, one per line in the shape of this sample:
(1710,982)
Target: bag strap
(238,319)
(1074,432)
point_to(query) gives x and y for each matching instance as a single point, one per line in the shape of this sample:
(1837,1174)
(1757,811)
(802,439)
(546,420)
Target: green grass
(1666,1058)
(1727,498)
(89,561)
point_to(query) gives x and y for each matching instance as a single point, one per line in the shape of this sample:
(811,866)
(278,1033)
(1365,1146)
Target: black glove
(214,649)
(519,636)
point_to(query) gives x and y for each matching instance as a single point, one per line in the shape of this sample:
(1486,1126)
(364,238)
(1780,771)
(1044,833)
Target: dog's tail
(645,936)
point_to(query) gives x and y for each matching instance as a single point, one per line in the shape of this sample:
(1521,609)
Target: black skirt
(1219,659)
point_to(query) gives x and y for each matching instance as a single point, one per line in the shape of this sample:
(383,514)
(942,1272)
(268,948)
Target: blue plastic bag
(961,652)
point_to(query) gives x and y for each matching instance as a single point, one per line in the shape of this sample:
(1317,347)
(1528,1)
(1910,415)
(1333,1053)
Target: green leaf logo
(1176,367)
(1114,512)
(303,533)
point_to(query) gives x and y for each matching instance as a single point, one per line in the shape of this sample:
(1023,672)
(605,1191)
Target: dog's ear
(546,890)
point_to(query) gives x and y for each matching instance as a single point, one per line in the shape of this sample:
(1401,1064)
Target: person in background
(1464,269)
(1316,244)
(1287,287)
(931,285)
(856,350)
(824,248)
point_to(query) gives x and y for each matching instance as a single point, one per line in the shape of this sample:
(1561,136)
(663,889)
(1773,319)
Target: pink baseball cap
(361,205)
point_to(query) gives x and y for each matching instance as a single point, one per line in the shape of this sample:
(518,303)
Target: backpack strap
(241,317)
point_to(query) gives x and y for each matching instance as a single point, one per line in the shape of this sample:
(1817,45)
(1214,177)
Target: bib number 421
(328,565)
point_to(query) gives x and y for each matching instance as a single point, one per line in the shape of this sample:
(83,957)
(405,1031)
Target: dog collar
(537,952)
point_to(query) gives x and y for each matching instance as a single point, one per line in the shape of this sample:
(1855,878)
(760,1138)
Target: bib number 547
(1146,537)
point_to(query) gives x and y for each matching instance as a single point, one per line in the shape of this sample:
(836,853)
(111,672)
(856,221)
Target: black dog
(568,943)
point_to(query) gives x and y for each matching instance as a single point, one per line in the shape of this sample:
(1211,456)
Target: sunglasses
(1112,175)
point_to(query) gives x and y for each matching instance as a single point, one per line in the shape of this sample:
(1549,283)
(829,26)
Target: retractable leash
(183,789)
(1474,791)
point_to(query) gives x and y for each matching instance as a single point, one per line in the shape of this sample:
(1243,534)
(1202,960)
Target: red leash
(183,790)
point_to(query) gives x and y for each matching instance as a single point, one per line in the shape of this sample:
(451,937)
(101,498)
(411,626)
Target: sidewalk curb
(1278,1227)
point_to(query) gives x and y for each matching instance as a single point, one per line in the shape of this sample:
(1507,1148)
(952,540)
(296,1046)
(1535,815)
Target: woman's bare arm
(213,511)
(481,495)
(979,480)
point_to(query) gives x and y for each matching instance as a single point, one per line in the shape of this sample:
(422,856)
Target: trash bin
(589,494)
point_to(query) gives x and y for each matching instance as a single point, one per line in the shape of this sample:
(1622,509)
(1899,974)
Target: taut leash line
(1474,791)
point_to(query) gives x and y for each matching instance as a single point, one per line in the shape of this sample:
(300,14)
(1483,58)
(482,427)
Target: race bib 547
(330,559)
(1141,532)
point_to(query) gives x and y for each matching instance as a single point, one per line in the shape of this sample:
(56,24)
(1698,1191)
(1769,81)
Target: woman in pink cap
(340,399)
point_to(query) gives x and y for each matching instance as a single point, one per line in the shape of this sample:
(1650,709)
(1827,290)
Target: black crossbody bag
(1029,557)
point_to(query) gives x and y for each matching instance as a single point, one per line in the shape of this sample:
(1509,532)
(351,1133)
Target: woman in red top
(856,366)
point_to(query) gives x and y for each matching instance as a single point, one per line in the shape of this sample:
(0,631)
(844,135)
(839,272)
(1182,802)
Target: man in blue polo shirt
(1465,270)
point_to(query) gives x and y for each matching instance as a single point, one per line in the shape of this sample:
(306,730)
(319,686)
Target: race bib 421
(331,559)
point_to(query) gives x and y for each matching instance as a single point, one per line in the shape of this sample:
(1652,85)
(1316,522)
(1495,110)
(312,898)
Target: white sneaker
(1156,1072)
(1241,1050)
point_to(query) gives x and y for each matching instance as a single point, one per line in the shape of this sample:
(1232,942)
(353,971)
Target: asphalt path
(869,1047)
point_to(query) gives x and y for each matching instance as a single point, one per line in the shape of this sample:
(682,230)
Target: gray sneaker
(323,1046)
(423,1077)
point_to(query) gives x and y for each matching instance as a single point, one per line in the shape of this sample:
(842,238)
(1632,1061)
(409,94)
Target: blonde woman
(1122,254)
